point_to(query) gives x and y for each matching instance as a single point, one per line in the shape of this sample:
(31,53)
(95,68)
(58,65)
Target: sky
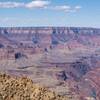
(34,13)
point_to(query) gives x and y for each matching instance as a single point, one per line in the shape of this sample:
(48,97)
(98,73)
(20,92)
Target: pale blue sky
(82,13)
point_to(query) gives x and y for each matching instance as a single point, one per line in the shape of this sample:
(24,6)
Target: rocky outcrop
(1,45)
(66,55)
(38,39)
(49,35)
(23,89)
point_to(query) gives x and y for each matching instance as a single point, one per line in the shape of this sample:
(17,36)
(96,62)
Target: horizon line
(49,27)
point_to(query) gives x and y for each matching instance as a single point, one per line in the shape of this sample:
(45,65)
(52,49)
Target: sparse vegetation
(23,89)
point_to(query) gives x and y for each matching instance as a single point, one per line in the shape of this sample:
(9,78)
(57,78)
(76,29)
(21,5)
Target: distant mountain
(48,36)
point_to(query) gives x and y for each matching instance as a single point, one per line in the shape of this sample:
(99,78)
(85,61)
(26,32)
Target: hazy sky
(84,13)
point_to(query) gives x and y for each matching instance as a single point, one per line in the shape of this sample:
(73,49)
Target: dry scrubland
(12,88)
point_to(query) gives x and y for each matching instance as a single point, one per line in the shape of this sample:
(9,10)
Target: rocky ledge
(12,88)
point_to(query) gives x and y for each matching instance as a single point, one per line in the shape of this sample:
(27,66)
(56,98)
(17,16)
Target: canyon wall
(41,39)
(67,57)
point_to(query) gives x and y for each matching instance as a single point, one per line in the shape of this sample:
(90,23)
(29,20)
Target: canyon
(63,59)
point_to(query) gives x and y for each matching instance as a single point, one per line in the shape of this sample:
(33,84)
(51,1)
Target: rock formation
(65,59)
(23,89)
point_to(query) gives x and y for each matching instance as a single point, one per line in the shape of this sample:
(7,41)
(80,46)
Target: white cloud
(33,4)
(65,8)
(11,4)
(78,7)
(39,4)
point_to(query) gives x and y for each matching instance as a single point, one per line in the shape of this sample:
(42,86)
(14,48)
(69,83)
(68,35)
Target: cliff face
(42,39)
(64,55)
(51,36)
